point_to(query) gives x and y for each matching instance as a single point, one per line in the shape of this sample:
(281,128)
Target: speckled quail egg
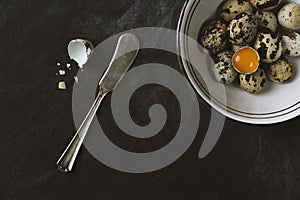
(223,69)
(242,29)
(280,71)
(269,46)
(253,83)
(213,36)
(265,4)
(233,7)
(289,16)
(291,43)
(267,19)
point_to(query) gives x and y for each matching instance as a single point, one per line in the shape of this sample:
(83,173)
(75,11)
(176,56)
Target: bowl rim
(268,118)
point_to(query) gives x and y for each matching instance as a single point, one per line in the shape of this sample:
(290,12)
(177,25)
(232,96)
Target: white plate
(276,103)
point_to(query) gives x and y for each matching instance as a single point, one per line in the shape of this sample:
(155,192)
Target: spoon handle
(66,161)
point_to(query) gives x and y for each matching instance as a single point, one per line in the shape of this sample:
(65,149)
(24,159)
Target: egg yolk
(246,60)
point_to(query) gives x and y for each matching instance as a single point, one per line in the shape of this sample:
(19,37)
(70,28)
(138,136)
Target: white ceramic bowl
(276,103)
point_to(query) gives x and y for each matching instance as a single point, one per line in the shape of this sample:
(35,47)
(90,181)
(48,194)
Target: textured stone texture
(249,162)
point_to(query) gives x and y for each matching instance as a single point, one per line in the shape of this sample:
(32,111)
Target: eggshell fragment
(62,85)
(62,72)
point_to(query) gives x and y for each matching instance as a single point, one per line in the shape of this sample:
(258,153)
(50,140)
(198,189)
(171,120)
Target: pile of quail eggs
(268,26)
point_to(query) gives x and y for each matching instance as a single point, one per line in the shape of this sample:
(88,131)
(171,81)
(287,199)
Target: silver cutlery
(125,53)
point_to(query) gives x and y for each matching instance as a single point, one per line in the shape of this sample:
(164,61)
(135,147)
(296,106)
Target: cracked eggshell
(235,47)
(223,69)
(62,85)
(265,4)
(213,37)
(289,16)
(269,46)
(80,50)
(291,44)
(280,71)
(267,19)
(253,83)
(233,7)
(242,29)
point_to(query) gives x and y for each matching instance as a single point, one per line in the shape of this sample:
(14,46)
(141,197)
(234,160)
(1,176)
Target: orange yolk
(246,60)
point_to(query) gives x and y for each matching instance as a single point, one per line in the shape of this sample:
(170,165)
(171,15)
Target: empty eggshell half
(80,50)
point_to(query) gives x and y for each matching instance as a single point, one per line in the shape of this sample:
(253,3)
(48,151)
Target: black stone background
(249,162)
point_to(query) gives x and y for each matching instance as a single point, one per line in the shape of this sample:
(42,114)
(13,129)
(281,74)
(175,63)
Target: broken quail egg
(289,16)
(242,29)
(233,7)
(253,83)
(280,71)
(246,60)
(223,69)
(265,4)
(291,43)
(267,19)
(213,36)
(235,47)
(269,46)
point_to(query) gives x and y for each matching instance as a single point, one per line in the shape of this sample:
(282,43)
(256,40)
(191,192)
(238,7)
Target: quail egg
(265,4)
(242,29)
(233,7)
(267,19)
(291,43)
(289,16)
(213,36)
(280,71)
(269,46)
(253,83)
(223,69)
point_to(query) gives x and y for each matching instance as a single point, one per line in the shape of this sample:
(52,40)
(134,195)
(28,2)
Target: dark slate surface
(249,162)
